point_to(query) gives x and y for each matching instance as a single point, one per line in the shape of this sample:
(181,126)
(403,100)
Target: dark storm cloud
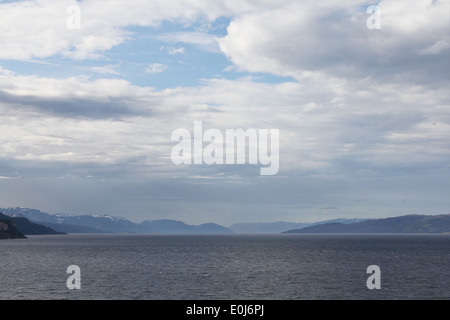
(69,107)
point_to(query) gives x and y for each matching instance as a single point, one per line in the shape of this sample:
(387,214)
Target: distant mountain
(67,223)
(340,220)
(266,227)
(71,228)
(402,224)
(280,226)
(76,223)
(30,214)
(102,223)
(174,226)
(25,226)
(8,229)
(212,228)
(110,224)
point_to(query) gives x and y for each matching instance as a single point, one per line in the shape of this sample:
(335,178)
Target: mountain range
(67,223)
(33,221)
(27,227)
(402,224)
(280,226)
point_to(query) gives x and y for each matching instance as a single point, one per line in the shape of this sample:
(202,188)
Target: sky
(91,93)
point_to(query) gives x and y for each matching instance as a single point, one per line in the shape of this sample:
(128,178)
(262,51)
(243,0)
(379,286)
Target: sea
(226,267)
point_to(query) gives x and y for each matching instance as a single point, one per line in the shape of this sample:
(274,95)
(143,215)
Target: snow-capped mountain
(95,223)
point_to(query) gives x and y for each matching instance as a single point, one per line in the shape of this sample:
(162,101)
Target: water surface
(286,267)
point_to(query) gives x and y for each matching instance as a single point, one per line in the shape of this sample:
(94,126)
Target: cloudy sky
(91,92)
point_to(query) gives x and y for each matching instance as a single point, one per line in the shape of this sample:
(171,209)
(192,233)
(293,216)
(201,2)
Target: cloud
(204,41)
(304,37)
(39,29)
(436,48)
(107,69)
(363,118)
(74,96)
(301,37)
(331,151)
(173,51)
(72,107)
(323,123)
(8,178)
(155,68)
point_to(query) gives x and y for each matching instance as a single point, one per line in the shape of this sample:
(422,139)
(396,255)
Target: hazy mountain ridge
(69,223)
(266,227)
(402,224)
(174,226)
(27,227)
(280,226)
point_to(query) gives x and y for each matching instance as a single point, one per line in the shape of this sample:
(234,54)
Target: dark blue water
(153,267)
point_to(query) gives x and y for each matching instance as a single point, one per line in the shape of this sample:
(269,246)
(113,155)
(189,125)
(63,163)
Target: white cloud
(319,120)
(39,29)
(201,40)
(301,36)
(364,103)
(173,51)
(8,178)
(155,68)
(333,38)
(107,69)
